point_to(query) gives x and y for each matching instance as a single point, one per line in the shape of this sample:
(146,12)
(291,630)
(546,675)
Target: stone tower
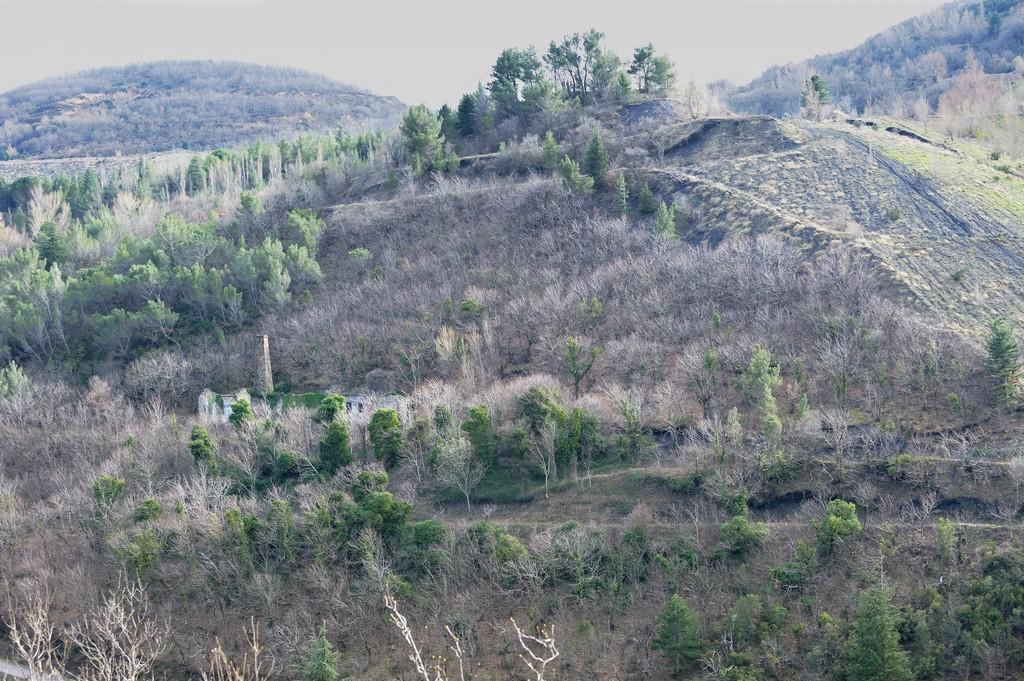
(264,377)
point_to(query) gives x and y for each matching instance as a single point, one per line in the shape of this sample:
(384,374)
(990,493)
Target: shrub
(840,522)
(897,467)
(202,448)
(106,490)
(241,413)
(735,502)
(142,552)
(148,510)
(330,407)
(743,536)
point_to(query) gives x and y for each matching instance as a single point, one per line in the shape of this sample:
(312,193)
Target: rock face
(381,381)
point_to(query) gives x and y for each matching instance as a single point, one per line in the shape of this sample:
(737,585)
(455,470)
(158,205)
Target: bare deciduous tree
(835,430)
(541,650)
(118,638)
(541,453)
(33,636)
(458,466)
(251,668)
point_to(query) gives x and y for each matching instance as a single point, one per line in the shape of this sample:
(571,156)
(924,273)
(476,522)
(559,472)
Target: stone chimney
(264,377)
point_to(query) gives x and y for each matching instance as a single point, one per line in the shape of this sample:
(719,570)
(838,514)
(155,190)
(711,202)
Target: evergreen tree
(622,194)
(661,80)
(466,115)
(88,200)
(676,636)
(202,448)
(335,452)
(665,220)
(480,433)
(321,662)
(647,205)
(483,110)
(241,412)
(550,151)
(771,424)
(623,88)
(1003,360)
(385,432)
(195,176)
(814,97)
(873,651)
(578,182)
(597,163)
(52,245)
(449,123)
(840,522)
(331,407)
(421,134)
(513,70)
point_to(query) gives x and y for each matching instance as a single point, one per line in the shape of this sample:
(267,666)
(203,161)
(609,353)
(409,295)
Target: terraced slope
(946,227)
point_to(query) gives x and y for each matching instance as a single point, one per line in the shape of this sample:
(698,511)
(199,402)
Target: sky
(427,51)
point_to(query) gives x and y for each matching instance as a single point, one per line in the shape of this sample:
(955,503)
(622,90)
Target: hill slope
(744,393)
(179,104)
(943,225)
(918,57)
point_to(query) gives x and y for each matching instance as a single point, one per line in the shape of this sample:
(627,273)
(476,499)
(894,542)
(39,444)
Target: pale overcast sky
(426,50)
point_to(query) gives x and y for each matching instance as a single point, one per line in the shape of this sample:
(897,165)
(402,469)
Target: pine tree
(676,635)
(665,220)
(873,650)
(771,424)
(622,194)
(623,88)
(1003,360)
(321,660)
(421,134)
(814,97)
(52,245)
(466,115)
(647,205)
(550,151)
(597,163)
(578,182)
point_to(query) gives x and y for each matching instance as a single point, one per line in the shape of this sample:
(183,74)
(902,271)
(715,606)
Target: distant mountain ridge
(160,106)
(916,58)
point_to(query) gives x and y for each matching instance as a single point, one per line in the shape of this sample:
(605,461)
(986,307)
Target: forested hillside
(917,59)
(726,398)
(168,105)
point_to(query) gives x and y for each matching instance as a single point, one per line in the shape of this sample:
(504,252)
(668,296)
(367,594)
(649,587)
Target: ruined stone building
(216,407)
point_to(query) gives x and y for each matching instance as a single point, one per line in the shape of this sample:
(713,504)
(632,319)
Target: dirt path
(9,670)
